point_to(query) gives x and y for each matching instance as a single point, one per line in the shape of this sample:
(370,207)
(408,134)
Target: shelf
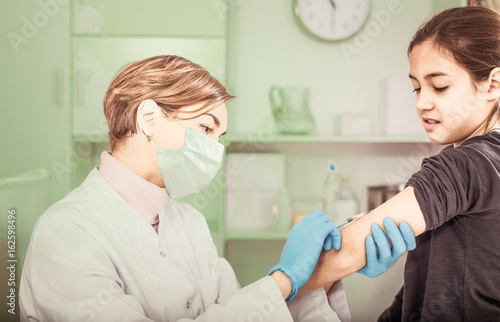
(140,36)
(320,138)
(90,138)
(255,234)
(262,138)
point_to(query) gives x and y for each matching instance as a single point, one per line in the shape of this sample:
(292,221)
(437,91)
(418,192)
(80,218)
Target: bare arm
(284,283)
(333,266)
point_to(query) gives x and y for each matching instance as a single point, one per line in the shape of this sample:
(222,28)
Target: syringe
(349,221)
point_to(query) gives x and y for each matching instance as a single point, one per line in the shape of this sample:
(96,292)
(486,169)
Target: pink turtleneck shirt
(141,194)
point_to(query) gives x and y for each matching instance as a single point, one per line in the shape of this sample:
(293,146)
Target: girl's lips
(430,124)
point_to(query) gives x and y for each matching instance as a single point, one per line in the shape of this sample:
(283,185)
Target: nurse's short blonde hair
(172,82)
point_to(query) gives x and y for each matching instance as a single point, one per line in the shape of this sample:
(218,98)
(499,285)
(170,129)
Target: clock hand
(334,6)
(332,20)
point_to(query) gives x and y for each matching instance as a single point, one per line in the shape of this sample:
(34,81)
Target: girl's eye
(440,89)
(207,129)
(416,90)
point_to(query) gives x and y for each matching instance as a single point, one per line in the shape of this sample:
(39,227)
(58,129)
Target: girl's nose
(423,102)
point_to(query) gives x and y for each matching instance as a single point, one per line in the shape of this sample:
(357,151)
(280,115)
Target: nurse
(118,248)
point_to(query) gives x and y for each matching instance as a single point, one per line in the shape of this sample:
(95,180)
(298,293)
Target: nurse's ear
(145,116)
(494,84)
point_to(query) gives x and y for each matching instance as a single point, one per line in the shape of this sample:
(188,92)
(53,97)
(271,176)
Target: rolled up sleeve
(454,182)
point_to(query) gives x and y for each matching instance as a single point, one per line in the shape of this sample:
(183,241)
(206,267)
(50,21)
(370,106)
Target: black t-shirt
(454,272)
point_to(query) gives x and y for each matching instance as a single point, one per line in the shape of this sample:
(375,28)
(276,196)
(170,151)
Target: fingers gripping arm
(333,266)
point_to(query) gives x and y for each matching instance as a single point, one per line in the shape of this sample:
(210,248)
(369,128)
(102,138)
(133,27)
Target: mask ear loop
(171,117)
(150,137)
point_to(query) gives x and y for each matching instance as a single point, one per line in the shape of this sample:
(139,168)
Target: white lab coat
(93,257)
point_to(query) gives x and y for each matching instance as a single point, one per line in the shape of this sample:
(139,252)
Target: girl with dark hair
(453,202)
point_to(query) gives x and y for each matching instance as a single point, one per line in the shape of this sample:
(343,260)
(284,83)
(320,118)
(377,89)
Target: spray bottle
(331,189)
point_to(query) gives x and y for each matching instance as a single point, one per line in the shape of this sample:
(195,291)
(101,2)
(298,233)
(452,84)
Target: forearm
(284,283)
(333,265)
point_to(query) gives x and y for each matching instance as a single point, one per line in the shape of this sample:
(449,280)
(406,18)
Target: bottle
(331,188)
(282,203)
(346,205)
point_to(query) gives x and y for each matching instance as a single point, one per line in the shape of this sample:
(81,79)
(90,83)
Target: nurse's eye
(440,89)
(416,90)
(207,129)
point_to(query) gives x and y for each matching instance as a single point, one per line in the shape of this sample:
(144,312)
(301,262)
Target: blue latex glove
(303,247)
(402,238)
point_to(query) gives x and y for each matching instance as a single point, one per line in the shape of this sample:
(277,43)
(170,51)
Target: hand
(303,247)
(402,238)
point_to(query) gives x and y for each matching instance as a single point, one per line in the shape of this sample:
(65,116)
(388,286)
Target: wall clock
(331,20)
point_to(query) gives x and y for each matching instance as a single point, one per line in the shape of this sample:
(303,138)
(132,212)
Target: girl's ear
(494,84)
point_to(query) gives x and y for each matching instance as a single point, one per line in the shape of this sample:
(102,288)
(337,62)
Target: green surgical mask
(191,168)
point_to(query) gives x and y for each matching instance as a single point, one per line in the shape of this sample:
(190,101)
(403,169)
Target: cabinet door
(34,118)
(96,60)
(150,17)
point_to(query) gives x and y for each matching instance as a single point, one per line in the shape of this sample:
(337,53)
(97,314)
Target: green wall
(267,47)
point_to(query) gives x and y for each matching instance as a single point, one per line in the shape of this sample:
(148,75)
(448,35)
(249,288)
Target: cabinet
(34,91)
(106,36)
(34,122)
(366,160)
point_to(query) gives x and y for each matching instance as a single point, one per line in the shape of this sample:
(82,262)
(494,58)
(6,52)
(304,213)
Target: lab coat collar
(141,194)
(114,209)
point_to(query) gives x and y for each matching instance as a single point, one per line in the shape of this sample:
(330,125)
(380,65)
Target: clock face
(332,19)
